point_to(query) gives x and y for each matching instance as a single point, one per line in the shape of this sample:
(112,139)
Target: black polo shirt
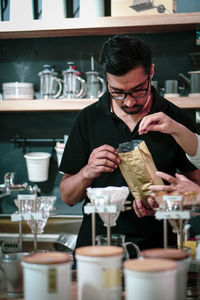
(97,125)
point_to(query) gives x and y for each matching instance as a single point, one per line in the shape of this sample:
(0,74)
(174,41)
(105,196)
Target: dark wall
(22,59)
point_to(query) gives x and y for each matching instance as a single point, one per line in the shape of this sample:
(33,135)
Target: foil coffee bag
(138,169)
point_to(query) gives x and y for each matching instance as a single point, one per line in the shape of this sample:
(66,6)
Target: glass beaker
(50,85)
(73,85)
(118,239)
(95,85)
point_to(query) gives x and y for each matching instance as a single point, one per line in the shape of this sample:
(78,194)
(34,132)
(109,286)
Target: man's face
(137,83)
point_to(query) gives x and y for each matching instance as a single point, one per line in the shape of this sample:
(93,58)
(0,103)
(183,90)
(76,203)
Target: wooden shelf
(44,105)
(76,104)
(101,26)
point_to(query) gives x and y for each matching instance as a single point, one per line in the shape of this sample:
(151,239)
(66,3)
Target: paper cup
(37,166)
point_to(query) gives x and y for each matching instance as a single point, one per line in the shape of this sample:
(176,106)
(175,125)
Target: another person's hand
(157,122)
(180,183)
(141,211)
(102,159)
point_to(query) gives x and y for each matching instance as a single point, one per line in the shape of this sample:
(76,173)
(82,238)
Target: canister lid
(150,265)
(99,251)
(169,253)
(47,258)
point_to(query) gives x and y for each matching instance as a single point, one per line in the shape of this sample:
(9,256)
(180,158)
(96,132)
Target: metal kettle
(192,83)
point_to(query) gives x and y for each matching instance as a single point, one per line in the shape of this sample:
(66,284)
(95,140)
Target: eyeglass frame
(130,93)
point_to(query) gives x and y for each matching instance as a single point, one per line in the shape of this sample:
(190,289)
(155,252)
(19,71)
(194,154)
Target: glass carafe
(95,85)
(73,85)
(118,240)
(50,85)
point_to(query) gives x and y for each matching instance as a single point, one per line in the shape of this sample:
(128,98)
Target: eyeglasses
(134,94)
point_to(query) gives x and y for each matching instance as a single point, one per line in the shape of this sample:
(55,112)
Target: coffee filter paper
(111,195)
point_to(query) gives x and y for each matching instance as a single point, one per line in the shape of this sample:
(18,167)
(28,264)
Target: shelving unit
(101,26)
(95,26)
(76,104)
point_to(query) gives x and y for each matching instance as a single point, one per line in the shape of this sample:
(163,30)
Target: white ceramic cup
(99,272)
(37,166)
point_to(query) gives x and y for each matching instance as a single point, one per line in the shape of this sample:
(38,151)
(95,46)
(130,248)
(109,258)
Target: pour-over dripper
(176,208)
(110,195)
(44,205)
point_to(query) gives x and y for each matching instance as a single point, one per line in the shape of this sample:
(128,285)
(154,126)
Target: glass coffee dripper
(73,85)
(44,205)
(176,208)
(50,85)
(95,85)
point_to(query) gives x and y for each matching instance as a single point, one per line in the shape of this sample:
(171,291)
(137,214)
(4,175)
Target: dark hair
(122,53)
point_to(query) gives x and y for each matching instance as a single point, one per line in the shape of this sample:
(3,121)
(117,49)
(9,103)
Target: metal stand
(178,214)
(20,216)
(92,209)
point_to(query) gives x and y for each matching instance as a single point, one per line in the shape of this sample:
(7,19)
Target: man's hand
(102,159)
(141,211)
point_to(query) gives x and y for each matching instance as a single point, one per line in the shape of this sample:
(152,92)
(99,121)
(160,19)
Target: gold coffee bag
(138,169)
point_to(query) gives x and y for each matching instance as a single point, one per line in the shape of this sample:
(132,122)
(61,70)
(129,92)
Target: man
(90,157)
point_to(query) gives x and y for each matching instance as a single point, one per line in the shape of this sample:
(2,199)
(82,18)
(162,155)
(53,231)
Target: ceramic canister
(99,272)
(152,279)
(182,259)
(47,276)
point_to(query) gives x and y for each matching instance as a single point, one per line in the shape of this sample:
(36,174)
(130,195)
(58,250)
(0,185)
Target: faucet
(8,186)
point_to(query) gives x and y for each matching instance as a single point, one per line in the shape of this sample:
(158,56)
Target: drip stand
(92,208)
(169,211)
(20,215)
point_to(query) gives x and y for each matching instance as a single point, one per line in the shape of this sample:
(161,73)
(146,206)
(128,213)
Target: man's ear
(152,71)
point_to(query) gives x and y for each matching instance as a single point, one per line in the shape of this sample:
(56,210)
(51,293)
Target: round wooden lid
(170,253)
(99,251)
(47,258)
(150,265)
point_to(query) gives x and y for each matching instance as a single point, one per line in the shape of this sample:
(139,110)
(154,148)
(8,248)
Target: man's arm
(73,187)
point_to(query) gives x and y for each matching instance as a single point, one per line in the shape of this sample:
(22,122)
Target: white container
(150,279)
(181,257)
(99,272)
(91,8)
(47,276)
(18,90)
(37,166)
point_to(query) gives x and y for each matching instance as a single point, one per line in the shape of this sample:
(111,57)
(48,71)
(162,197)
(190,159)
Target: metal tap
(8,186)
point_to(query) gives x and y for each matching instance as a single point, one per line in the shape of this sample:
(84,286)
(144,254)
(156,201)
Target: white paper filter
(115,196)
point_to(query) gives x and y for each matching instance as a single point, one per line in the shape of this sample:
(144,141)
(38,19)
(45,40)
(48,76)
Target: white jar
(47,276)
(181,257)
(150,279)
(99,272)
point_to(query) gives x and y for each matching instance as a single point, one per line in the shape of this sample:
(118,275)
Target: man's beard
(137,109)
